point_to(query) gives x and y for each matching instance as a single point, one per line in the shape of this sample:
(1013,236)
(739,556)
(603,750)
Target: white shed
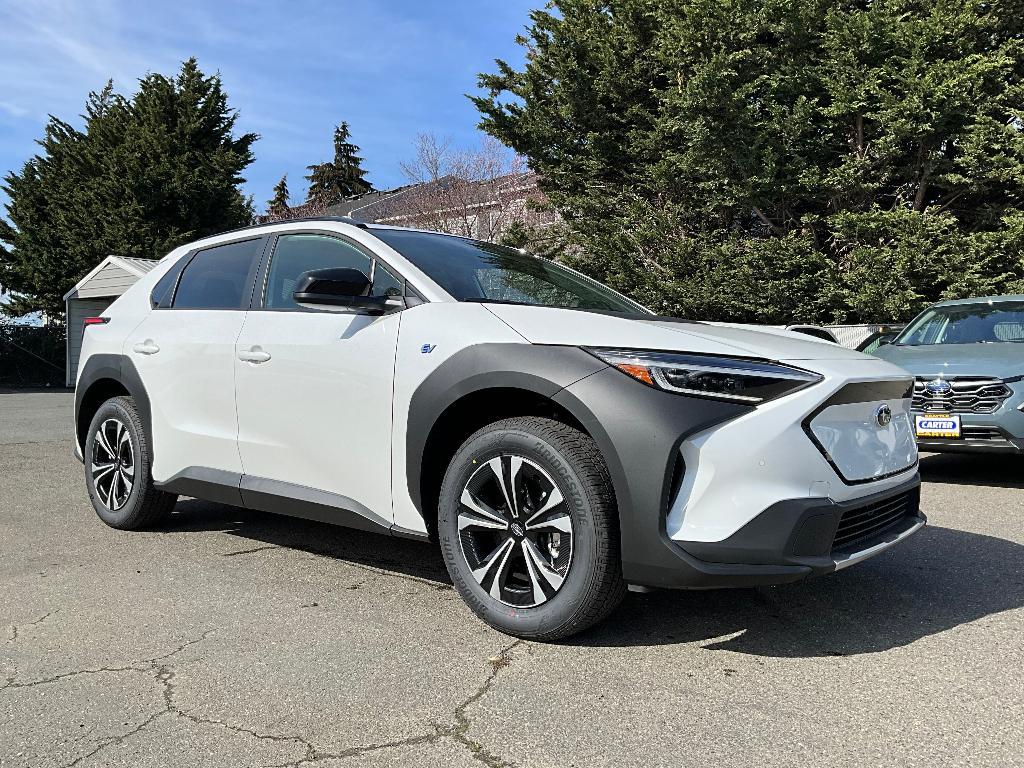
(93,294)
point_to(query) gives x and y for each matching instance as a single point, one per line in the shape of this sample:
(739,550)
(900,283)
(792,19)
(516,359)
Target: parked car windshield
(982,323)
(471,270)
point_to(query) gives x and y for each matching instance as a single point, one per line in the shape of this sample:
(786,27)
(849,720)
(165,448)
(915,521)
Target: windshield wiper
(485,300)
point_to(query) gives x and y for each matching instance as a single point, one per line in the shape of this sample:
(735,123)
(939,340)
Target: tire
(117,469)
(527,563)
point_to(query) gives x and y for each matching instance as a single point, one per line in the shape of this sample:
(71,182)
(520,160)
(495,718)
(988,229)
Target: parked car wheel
(528,528)
(117,469)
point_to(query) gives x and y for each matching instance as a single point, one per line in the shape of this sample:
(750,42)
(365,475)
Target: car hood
(549,325)
(1000,360)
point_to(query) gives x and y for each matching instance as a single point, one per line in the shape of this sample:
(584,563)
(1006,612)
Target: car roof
(978,300)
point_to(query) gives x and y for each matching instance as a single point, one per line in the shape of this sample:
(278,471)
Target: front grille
(968,395)
(862,523)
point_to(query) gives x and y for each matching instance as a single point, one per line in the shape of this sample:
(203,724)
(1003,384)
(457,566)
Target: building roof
(132,266)
(142,265)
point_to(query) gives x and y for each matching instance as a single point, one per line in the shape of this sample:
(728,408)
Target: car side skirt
(280,498)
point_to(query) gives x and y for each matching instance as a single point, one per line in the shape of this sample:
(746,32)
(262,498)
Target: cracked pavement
(233,638)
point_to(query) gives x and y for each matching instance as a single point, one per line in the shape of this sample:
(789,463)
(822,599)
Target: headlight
(722,378)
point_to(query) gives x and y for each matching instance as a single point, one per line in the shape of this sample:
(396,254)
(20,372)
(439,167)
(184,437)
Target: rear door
(184,352)
(314,388)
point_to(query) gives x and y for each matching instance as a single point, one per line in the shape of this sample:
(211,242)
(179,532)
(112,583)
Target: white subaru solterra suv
(557,439)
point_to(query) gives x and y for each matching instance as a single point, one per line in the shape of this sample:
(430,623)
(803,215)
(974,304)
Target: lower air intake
(861,524)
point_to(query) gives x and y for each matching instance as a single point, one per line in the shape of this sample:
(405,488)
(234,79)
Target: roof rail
(342,219)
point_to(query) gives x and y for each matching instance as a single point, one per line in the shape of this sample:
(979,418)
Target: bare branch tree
(478,192)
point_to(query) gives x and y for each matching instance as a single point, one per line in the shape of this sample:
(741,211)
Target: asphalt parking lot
(231,638)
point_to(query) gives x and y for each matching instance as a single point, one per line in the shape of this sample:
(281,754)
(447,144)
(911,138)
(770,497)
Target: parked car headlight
(723,378)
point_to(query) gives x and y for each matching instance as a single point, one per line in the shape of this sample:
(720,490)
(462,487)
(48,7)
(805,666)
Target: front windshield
(471,270)
(982,323)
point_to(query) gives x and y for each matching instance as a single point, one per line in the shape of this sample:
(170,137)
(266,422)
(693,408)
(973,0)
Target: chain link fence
(32,356)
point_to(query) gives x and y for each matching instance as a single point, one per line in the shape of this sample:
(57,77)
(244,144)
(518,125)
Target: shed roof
(134,268)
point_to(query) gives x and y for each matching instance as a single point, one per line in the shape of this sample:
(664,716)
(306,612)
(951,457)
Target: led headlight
(722,378)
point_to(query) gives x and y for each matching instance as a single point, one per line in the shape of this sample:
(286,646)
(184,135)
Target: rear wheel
(528,528)
(117,469)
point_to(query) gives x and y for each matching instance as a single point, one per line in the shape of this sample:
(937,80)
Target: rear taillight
(96,321)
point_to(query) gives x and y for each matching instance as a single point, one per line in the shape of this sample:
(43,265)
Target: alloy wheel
(113,464)
(516,531)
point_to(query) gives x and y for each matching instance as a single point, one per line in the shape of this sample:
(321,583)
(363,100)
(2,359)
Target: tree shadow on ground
(996,470)
(937,580)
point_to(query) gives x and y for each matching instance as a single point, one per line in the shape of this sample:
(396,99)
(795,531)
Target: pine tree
(772,161)
(141,177)
(332,182)
(277,207)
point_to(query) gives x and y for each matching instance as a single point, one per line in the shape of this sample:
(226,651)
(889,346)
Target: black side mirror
(342,288)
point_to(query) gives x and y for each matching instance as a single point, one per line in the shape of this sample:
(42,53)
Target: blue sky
(293,70)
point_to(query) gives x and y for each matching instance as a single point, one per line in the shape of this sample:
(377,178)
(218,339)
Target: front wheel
(528,528)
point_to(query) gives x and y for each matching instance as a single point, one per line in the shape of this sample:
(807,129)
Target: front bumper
(805,537)
(717,495)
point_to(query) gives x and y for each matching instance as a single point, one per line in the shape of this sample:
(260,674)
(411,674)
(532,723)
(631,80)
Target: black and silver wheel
(117,469)
(515,531)
(113,464)
(528,528)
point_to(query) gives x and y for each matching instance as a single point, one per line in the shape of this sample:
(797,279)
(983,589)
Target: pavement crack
(315,755)
(463,722)
(148,665)
(182,647)
(116,740)
(249,551)
(456,732)
(13,628)
(74,673)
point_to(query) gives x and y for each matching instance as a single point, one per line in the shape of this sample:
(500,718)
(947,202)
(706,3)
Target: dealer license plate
(937,425)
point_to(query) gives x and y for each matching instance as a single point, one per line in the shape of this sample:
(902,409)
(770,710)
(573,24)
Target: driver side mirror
(338,289)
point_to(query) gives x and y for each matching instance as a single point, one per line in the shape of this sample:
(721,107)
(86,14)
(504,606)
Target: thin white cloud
(293,70)
(13,109)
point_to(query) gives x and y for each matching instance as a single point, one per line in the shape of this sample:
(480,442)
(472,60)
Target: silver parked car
(967,358)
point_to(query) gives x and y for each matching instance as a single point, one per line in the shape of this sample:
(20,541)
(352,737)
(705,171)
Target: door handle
(147,347)
(253,355)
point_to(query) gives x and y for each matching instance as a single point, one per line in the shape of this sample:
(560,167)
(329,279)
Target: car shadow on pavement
(262,530)
(940,579)
(996,470)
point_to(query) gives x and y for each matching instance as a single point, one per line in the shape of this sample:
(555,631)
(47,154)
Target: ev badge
(426,349)
(883,416)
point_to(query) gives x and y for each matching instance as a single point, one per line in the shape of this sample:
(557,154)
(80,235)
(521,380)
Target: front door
(314,388)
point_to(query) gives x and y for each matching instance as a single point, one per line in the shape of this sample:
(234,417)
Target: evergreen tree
(334,181)
(141,177)
(277,206)
(772,161)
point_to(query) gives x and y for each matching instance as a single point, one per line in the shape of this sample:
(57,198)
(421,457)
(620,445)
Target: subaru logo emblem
(517,529)
(939,387)
(883,416)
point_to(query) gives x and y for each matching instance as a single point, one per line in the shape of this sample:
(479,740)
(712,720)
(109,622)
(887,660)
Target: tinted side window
(295,254)
(218,277)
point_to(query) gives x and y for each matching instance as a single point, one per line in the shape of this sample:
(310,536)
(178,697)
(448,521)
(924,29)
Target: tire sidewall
(116,409)
(566,602)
